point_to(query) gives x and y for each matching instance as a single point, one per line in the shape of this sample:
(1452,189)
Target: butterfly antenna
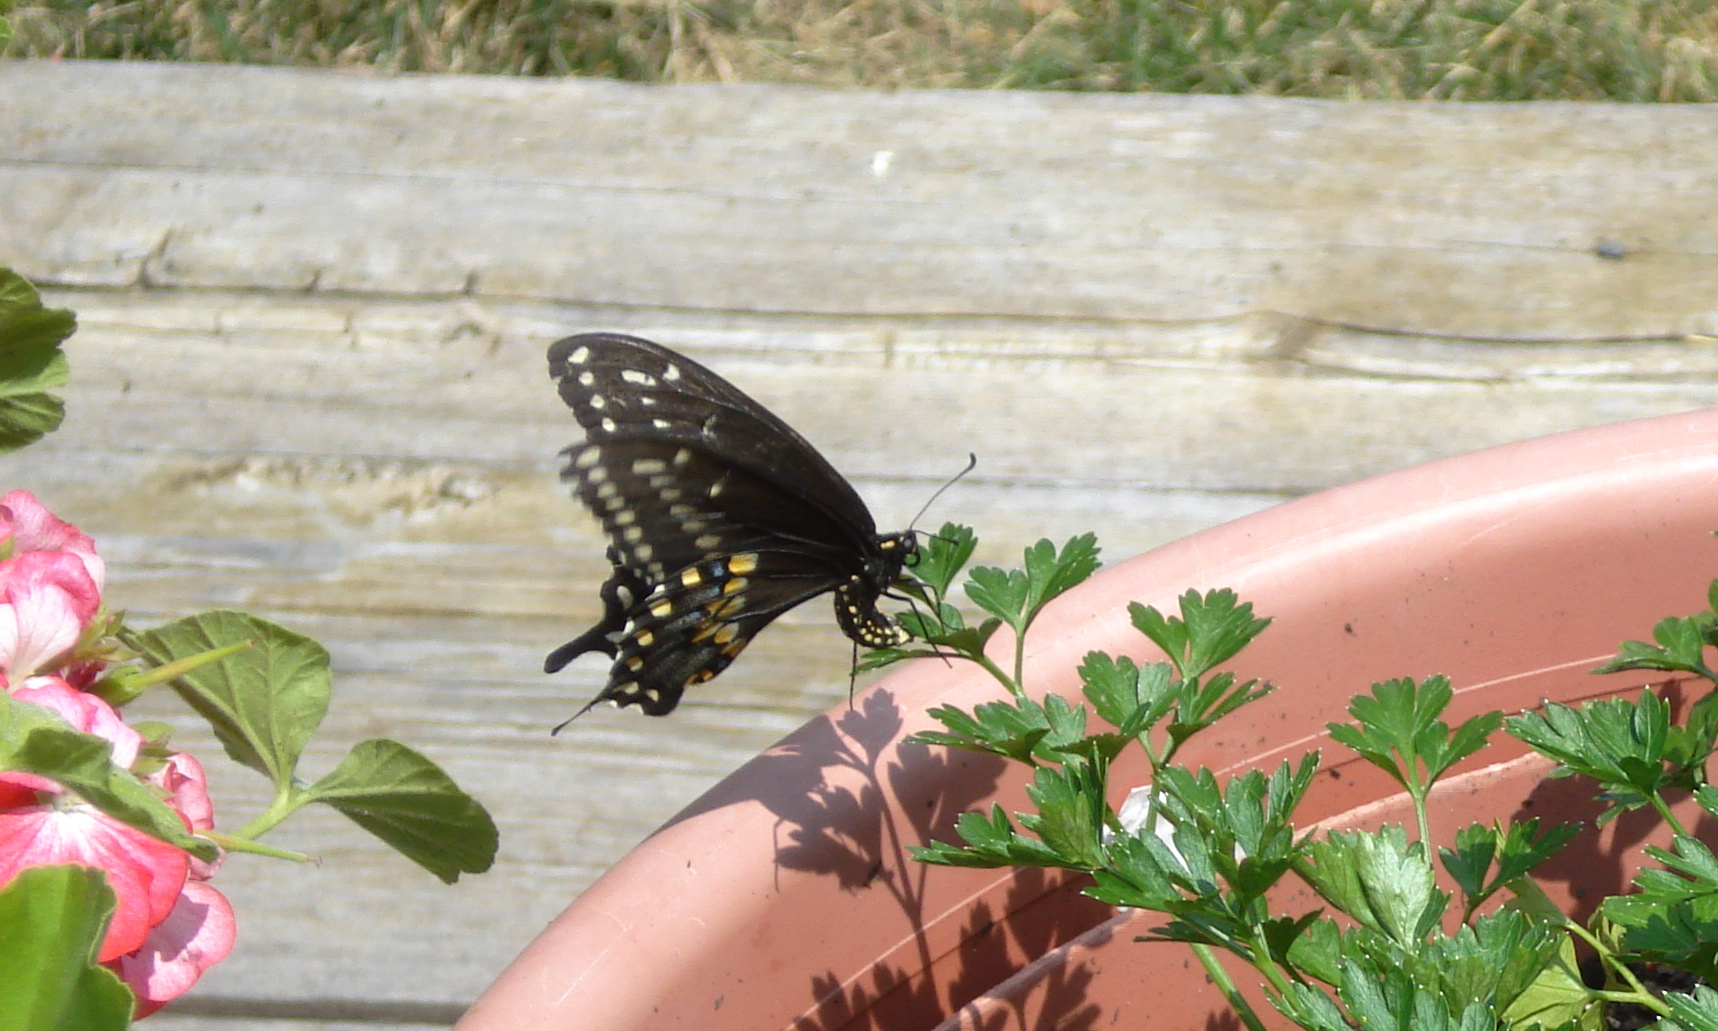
(971,464)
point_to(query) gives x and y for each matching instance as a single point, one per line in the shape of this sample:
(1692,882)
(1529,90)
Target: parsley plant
(1405,953)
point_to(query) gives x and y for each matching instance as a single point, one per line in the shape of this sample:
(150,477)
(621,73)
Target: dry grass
(1629,50)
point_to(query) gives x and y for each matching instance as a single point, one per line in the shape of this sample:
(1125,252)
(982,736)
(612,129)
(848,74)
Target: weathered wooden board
(1475,221)
(310,382)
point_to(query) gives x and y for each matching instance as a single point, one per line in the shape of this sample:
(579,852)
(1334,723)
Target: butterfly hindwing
(720,517)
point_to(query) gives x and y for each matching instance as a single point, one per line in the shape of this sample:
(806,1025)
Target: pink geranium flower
(47,599)
(167,927)
(196,935)
(33,528)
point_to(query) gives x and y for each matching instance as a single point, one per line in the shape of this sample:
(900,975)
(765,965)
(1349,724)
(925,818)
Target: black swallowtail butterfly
(719,518)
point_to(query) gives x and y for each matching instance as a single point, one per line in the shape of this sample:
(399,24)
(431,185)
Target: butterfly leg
(622,589)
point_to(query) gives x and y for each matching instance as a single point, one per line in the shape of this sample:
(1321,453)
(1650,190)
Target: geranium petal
(48,598)
(146,875)
(85,712)
(187,790)
(196,935)
(34,528)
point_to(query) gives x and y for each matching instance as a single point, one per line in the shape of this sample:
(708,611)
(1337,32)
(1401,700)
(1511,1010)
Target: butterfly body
(719,518)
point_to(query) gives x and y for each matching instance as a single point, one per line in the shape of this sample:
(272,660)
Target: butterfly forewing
(720,518)
(625,387)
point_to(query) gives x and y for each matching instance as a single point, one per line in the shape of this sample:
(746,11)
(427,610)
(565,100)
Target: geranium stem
(283,806)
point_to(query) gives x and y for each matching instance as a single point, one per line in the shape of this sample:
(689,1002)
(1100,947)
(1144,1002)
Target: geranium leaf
(31,362)
(52,920)
(406,800)
(263,702)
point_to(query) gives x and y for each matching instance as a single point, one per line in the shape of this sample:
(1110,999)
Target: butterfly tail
(622,588)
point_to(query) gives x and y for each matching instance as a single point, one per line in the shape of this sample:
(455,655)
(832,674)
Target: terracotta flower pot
(784,897)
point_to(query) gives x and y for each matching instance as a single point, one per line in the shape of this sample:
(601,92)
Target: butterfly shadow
(828,787)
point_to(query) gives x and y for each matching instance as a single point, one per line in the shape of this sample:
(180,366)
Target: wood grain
(309,381)
(1461,220)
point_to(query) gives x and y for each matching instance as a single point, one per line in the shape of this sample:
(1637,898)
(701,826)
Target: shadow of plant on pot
(826,786)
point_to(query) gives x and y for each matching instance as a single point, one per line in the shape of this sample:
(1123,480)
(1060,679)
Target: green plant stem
(1220,978)
(1663,808)
(1421,818)
(1621,970)
(1013,686)
(1020,658)
(1640,998)
(234,843)
(284,804)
